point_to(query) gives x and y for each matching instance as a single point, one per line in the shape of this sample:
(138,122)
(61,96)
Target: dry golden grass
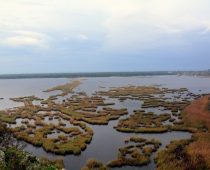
(197,113)
(191,154)
(201,147)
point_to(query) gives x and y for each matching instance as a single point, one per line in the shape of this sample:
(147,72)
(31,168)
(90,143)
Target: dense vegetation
(190,154)
(177,157)
(13,157)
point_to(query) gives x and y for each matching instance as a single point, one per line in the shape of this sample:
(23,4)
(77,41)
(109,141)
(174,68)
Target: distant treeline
(76,75)
(103,74)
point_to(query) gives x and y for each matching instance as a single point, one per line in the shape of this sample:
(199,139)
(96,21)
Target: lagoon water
(106,140)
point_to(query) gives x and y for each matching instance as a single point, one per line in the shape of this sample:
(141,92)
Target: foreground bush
(12,157)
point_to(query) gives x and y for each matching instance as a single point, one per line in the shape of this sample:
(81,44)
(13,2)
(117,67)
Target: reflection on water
(106,140)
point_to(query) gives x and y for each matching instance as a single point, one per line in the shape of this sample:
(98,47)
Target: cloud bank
(64,33)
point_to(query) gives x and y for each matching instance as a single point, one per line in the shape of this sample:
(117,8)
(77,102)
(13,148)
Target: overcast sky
(104,35)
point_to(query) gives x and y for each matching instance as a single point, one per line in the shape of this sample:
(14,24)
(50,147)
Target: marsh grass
(137,154)
(141,122)
(93,164)
(193,153)
(66,88)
